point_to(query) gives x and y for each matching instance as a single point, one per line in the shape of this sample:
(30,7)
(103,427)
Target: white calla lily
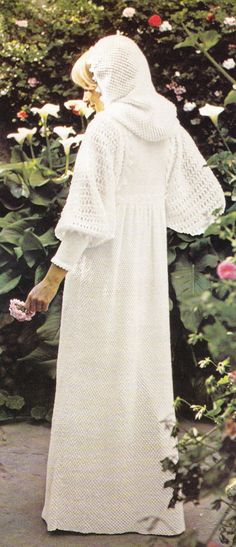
(67,143)
(211,111)
(80,107)
(46,110)
(63,131)
(22,134)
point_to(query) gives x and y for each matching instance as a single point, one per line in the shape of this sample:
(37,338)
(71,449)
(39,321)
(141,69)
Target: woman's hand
(41,295)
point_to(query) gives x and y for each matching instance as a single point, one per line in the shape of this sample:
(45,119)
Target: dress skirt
(113,410)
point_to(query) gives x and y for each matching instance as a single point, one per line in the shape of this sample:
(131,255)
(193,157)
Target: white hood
(123,76)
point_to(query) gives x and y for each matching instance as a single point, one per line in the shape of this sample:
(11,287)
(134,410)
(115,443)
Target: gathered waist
(154,199)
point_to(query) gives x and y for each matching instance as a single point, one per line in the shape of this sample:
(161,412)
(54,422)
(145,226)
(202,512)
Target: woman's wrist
(55,275)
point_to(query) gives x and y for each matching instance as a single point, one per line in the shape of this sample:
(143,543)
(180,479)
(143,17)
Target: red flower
(155,20)
(210,16)
(22,114)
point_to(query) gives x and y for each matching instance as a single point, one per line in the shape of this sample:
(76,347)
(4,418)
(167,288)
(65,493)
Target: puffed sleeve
(192,192)
(90,208)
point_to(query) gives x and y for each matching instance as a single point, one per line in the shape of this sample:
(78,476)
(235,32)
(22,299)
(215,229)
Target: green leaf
(8,281)
(38,412)
(187,280)
(3,414)
(230,98)
(3,399)
(207,260)
(15,402)
(190,41)
(209,38)
(37,179)
(48,239)
(51,326)
(31,246)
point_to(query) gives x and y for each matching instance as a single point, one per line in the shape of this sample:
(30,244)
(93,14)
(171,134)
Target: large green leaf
(48,239)
(8,281)
(187,280)
(32,247)
(51,326)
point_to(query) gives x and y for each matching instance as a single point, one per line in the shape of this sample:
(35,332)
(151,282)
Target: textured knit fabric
(122,72)
(113,409)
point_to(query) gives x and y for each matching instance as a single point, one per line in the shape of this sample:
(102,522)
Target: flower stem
(31,148)
(47,144)
(222,137)
(209,56)
(67,163)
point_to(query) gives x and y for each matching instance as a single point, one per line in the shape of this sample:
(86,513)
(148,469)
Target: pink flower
(22,114)
(18,310)
(22,23)
(32,82)
(232,376)
(155,20)
(213,544)
(226,269)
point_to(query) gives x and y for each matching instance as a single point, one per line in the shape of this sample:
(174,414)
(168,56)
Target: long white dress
(113,409)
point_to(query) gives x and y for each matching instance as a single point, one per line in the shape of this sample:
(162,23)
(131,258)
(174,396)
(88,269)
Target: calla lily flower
(212,112)
(79,107)
(47,109)
(63,131)
(23,133)
(67,143)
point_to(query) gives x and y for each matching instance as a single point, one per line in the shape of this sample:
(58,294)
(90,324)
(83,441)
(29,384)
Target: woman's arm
(43,293)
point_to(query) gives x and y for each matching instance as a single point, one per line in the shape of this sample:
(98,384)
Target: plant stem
(219,67)
(47,144)
(31,149)
(222,136)
(67,163)
(209,57)
(82,123)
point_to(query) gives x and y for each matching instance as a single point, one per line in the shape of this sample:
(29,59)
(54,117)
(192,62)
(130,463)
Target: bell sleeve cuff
(70,250)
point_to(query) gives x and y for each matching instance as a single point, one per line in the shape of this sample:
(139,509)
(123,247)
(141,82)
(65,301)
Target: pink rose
(18,310)
(226,269)
(232,376)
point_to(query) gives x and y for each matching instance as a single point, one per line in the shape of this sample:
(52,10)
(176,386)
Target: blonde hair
(80,73)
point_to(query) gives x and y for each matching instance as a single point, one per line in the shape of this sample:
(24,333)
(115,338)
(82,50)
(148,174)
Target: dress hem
(53,529)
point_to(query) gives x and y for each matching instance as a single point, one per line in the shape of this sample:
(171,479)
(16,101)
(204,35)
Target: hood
(124,80)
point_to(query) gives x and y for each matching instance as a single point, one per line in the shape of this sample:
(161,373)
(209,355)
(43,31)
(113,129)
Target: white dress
(113,409)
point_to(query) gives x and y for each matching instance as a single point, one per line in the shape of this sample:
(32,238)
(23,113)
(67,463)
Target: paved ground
(23,458)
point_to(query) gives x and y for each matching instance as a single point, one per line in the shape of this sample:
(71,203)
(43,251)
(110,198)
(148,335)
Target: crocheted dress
(113,410)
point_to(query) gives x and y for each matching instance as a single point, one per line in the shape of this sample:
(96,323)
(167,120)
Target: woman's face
(93,99)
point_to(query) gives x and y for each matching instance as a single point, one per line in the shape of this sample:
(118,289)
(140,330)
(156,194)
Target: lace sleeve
(193,192)
(90,206)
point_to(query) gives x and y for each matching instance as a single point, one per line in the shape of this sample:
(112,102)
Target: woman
(137,172)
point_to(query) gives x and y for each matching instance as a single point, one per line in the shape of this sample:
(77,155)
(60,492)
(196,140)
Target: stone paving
(23,458)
